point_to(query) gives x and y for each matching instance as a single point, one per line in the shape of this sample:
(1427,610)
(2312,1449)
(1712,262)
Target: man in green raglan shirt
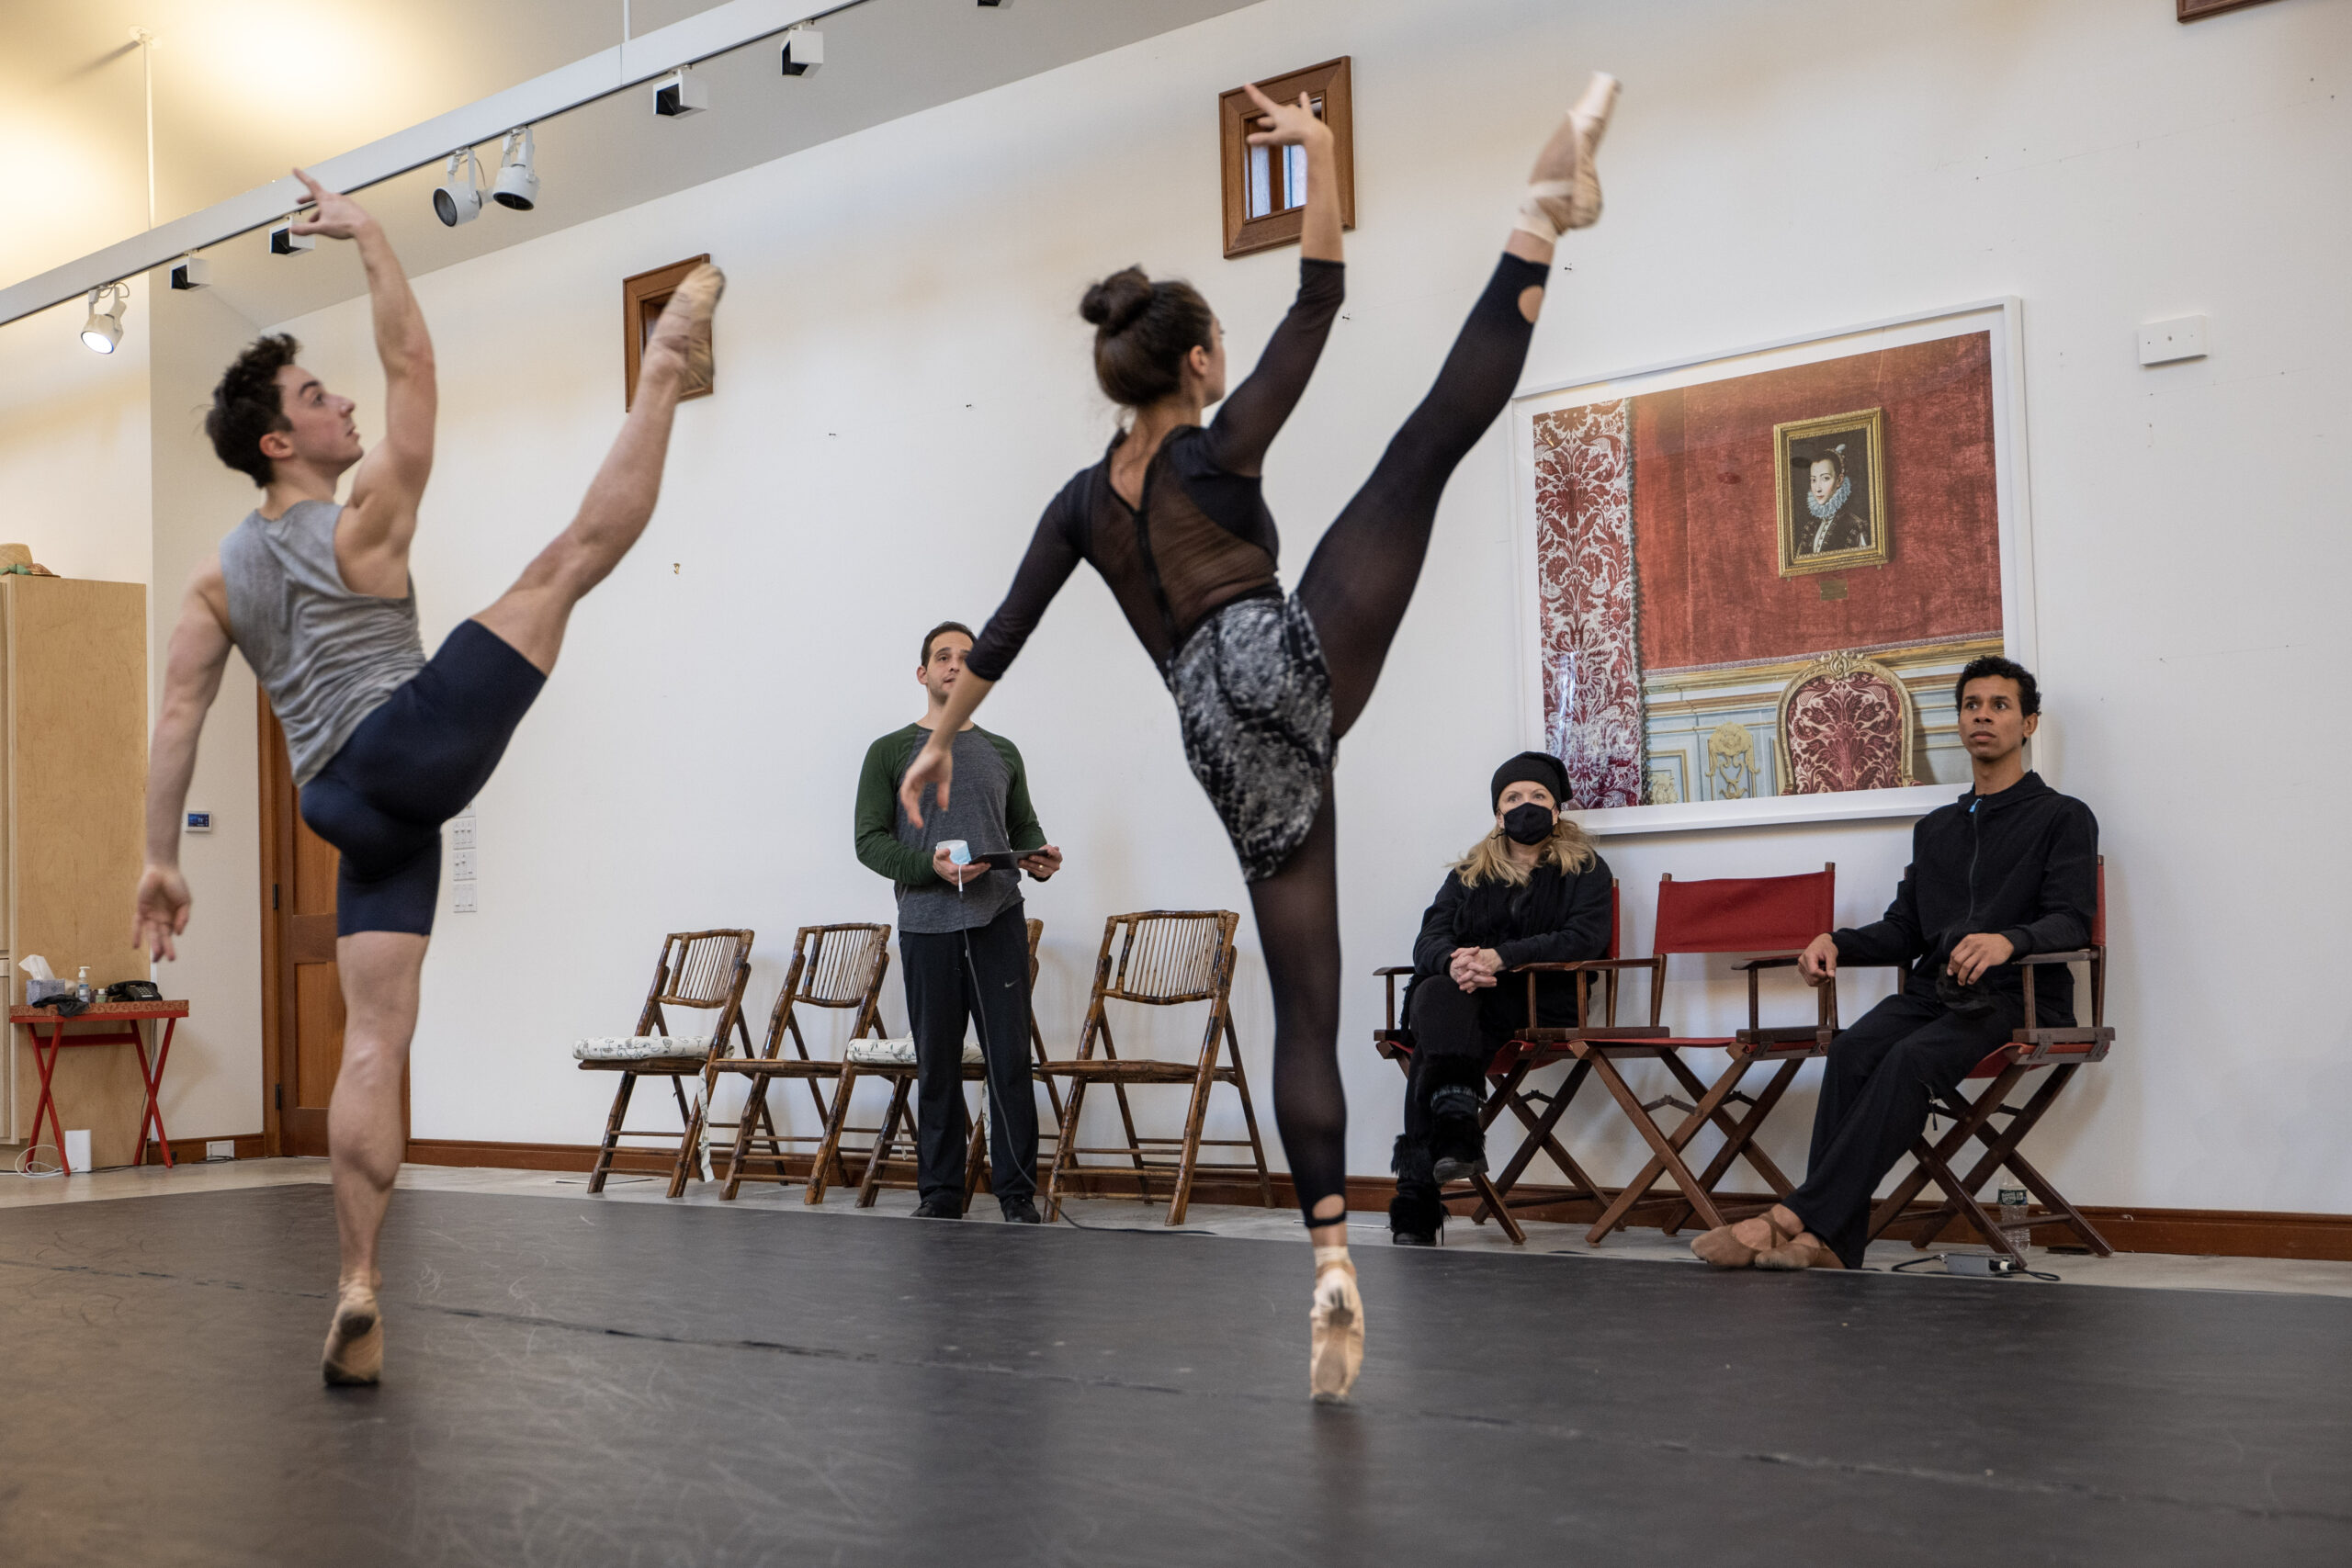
(962,937)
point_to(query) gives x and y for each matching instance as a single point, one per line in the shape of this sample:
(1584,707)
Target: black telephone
(132,991)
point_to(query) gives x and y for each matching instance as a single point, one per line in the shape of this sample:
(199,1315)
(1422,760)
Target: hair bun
(1113,305)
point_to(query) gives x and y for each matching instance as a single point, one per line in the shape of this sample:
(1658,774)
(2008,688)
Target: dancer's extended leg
(531,615)
(416,762)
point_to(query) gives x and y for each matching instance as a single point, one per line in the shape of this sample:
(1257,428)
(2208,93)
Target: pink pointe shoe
(1564,191)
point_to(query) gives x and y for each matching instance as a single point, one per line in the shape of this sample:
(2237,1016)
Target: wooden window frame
(642,297)
(2197,10)
(1245,236)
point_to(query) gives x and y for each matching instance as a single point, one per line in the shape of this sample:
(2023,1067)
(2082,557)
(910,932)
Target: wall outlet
(461,897)
(461,866)
(2162,343)
(221,1148)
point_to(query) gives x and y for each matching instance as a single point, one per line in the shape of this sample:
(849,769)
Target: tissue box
(39,991)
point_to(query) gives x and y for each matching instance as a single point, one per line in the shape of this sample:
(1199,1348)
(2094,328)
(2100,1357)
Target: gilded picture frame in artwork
(1830,473)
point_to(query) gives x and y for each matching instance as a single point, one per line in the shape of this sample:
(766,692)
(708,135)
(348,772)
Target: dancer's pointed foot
(1563,191)
(355,1352)
(1336,1321)
(683,329)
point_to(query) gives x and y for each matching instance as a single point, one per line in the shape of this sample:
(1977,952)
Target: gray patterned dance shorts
(1254,698)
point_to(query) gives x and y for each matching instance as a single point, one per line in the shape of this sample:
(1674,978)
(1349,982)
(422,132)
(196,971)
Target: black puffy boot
(1415,1215)
(1457,1140)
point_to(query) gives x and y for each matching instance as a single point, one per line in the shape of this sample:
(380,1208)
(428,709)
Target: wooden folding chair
(1166,958)
(833,966)
(1745,914)
(2064,1052)
(1531,1049)
(706,970)
(890,1159)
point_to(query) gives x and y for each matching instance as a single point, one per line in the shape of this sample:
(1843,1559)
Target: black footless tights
(1356,588)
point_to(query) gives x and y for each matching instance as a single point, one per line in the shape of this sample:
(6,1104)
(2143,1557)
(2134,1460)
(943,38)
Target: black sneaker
(1457,1144)
(939,1209)
(1022,1211)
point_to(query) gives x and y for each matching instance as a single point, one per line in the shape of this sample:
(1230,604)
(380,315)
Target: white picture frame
(2001,320)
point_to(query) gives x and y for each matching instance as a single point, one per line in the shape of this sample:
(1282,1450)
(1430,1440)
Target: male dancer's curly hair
(246,407)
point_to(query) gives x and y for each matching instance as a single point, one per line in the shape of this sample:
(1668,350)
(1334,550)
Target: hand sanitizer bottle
(81,991)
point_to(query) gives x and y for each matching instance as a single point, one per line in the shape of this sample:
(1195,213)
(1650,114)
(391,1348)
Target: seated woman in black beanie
(1532,891)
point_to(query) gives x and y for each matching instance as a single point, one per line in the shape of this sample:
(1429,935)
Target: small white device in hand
(958,852)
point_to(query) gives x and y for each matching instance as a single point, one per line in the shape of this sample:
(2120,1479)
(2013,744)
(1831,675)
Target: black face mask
(1529,823)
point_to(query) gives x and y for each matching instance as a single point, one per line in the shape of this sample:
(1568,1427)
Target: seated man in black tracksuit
(2008,869)
(1532,890)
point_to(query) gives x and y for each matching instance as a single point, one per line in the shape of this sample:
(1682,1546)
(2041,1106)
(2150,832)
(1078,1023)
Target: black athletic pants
(1876,1086)
(942,993)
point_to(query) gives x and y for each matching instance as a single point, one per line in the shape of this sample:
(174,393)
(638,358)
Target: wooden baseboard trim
(493,1155)
(2216,1232)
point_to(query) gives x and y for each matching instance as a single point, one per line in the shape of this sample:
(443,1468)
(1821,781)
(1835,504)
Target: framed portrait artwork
(1748,582)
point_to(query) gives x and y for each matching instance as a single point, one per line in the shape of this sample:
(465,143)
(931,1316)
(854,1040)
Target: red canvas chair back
(1743,914)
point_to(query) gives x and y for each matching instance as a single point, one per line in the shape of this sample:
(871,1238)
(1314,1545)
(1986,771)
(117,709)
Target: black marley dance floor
(623,1383)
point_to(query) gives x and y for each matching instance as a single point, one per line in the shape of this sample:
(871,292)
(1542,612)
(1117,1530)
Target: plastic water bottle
(2013,1215)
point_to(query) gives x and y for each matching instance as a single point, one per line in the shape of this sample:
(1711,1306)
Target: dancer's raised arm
(1253,413)
(371,543)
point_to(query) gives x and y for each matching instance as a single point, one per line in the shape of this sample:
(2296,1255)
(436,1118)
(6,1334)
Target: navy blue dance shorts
(414,762)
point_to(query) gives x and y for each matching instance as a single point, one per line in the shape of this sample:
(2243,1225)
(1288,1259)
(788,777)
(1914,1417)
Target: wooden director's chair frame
(838,966)
(1529,1050)
(1165,958)
(696,969)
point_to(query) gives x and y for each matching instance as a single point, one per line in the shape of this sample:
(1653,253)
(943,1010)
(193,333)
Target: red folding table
(128,1016)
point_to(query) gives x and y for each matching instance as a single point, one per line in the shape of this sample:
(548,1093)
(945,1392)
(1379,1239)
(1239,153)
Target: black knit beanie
(1532,767)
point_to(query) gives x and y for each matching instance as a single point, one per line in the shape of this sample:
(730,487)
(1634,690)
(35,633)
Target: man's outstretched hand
(162,910)
(338,217)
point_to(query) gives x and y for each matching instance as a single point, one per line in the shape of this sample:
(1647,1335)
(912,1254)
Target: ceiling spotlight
(518,183)
(284,241)
(804,50)
(458,200)
(103,332)
(996,5)
(680,93)
(191,271)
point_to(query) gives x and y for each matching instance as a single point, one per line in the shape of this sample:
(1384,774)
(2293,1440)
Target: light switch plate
(461,897)
(461,866)
(461,831)
(2162,343)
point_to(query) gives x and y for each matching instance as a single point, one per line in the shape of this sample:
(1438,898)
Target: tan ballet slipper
(1564,191)
(355,1352)
(684,323)
(1336,1323)
(1803,1251)
(1721,1248)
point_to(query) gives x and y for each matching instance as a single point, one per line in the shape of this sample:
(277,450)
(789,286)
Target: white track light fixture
(102,333)
(518,181)
(804,50)
(191,271)
(284,241)
(457,199)
(680,93)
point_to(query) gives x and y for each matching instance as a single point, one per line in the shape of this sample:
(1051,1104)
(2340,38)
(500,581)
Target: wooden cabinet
(72,792)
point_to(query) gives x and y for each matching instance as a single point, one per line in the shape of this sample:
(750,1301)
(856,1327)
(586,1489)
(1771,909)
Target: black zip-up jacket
(2022,863)
(1549,918)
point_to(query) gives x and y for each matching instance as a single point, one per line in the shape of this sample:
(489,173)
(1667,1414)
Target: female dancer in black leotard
(1173,519)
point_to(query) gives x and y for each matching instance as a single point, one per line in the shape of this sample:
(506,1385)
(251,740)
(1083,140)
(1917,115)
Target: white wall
(904,383)
(73,441)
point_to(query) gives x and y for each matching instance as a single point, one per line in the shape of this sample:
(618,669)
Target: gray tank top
(327,656)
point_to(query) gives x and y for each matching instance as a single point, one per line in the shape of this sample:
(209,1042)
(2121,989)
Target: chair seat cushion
(640,1047)
(874,1052)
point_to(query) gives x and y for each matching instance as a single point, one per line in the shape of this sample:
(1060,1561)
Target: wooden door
(301,990)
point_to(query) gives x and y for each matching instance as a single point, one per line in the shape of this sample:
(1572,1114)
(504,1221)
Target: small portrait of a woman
(1833,492)
(1532,889)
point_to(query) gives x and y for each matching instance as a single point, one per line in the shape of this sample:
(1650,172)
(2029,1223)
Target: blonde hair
(1568,850)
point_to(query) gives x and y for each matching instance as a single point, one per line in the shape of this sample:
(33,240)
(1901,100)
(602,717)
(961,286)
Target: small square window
(1264,194)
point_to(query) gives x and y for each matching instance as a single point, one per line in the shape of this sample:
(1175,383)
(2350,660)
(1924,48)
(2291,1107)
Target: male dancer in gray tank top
(385,744)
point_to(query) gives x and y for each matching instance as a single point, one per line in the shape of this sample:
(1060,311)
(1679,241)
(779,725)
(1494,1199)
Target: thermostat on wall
(199,821)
